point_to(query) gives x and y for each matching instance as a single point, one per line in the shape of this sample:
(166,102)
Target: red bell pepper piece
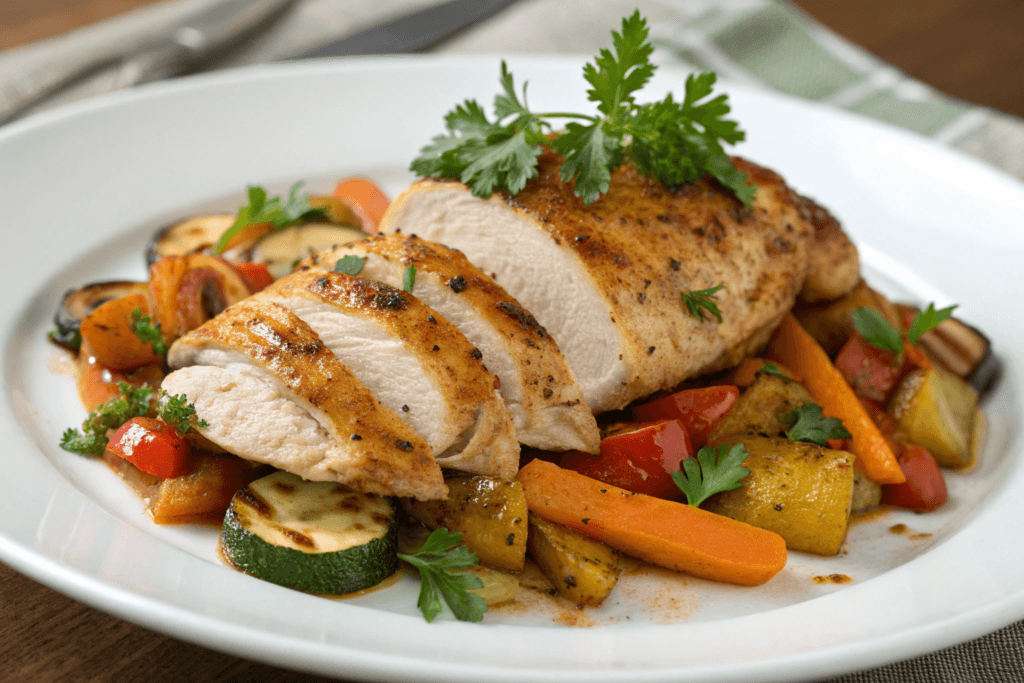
(153,446)
(872,372)
(640,457)
(256,275)
(697,409)
(925,487)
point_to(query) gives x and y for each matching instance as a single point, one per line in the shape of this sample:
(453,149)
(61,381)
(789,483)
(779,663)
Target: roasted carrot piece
(366,199)
(746,372)
(673,535)
(108,330)
(792,345)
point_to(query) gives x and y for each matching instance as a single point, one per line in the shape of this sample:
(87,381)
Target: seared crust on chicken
(833,268)
(537,386)
(606,280)
(272,392)
(414,362)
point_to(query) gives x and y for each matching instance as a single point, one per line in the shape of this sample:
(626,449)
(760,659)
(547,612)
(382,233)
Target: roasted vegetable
(488,512)
(76,304)
(831,323)
(760,408)
(281,249)
(697,409)
(110,332)
(935,409)
(925,487)
(866,493)
(800,491)
(583,570)
(188,236)
(959,348)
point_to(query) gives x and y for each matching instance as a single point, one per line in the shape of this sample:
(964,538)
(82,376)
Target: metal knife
(414,32)
(183,49)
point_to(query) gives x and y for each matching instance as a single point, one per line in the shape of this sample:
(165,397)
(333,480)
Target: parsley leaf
(699,300)
(69,340)
(807,424)
(409,278)
(280,213)
(711,472)
(926,320)
(178,412)
(772,369)
(350,265)
(433,560)
(876,330)
(92,440)
(676,142)
(148,333)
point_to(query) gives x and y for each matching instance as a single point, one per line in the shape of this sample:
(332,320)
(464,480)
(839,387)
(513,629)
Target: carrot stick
(673,535)
(746,372)
(792,345)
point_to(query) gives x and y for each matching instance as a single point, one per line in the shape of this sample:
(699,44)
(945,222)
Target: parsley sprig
(711,472)
(350,265)
(409,279)
(877,331)
(772,369)
(806,424)
(92,440)
(148,332)
(700,300)
(675,141)
(132,402)
(277,211)
(439,553)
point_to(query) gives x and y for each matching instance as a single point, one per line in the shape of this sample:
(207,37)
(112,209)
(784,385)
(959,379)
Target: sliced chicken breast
(272,392)
(537,386)
(607,280)
(413,361)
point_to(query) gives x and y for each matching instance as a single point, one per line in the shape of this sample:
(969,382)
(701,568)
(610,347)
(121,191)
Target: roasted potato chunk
(488,512)
(583,570)
(759,408)
(936,409)
(800,491)
(866,493)
(831,323)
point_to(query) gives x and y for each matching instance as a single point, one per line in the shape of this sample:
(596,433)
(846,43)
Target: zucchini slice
(312,536)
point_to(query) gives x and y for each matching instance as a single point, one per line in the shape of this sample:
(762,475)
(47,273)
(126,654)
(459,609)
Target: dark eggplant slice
(964,351)
(280,250)
(188,236)
(78,303)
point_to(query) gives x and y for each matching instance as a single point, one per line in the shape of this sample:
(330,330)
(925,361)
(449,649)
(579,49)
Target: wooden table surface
(967,48)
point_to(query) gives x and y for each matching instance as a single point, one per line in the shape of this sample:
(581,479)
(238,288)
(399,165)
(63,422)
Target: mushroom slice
(415,363)
(270,391)
(537,386)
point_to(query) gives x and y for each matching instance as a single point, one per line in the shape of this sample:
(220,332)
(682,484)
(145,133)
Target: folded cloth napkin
(754,41)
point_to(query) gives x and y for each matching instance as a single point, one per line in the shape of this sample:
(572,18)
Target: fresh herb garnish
(92,440)
(350,265)
(711,472)
(433,560)
(279,212)
(178,412)
(772,369)
(147,332)
(877,331)
(926,320)
(699,300)
(409,278)
(807,424)
(677,142)
(69,340)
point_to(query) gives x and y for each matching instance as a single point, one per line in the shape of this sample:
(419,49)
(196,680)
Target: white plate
(82,189)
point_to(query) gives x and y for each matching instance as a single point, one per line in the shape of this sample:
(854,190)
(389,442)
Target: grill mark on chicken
(684,238)
(475,433)
(364,455)
(506,336)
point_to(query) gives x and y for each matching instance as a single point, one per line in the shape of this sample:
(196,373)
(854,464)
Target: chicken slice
(834,262)
(272,392)
(537,386)
(607,280)
(413,361)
